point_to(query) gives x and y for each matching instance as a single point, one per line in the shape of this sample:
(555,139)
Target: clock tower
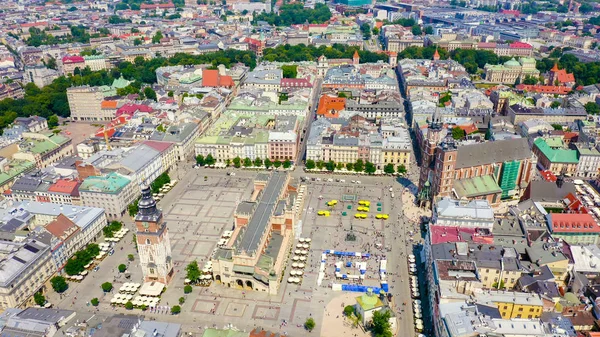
(154,247)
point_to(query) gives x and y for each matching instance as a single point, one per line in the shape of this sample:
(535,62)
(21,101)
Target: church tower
(154,247)
(355,58)
(428,146)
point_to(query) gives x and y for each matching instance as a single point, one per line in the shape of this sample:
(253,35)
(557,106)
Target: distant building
(511,70)
(574,228)
(70,63)
(43,149)
(85,104)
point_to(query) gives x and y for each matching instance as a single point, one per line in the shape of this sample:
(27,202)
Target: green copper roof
(110,183)
(556,155)
(120,83)
(477,186)
(369,302)
(15,167)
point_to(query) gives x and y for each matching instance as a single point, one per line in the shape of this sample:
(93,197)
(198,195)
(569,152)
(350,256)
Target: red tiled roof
(212,78)
(73,59)
(108,105)
(468,128)
(156,6)
(132,108)
(64,186)
(573,223)
(545,89)
(511,11)
(331,106)
(548,175)
(444,234)
(61,225)
(520,45)
(159,146)
(487,45)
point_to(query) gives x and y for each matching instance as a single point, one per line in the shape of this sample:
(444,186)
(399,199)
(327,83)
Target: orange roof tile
(108,105)
(331,106)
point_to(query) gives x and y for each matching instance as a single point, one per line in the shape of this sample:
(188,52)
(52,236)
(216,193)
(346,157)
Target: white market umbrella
(297,251)
(305,246)
(302,258)
(308,239)
(299,245)
(296,258)
(290,280)
(299,272)
(301,265)
(295,265)
(293,273)
(301,240)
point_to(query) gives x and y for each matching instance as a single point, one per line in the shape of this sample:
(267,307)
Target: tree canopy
(301,52)
(293,14)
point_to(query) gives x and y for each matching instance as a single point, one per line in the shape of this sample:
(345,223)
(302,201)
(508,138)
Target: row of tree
(301,52)
(111,228)
(358,166)
(38,37)
(77,263)
(238,162)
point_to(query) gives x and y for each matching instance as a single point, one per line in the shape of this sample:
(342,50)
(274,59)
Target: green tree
(268,163)
(122,268)
(592,108)
(555,104)
(366,31)
(350,166)
(157,37)
(389,169)
(52,121)
(39,299)
(330,166)
(557,127)
(309,324)
(348,310)
(530,80)
(339,166)
(187,289)
(310,164)
(370,168)
(458,133)
(287,164)
(320,164)
(428,30)
(94,301)
(342,94)
(111,228)
(289,71)
(137,42)
(277,163)
(175,309)
(150,93)
(130,257)
(258,162)
(52,63)
(247,162)
(237,162)
(133,208)
(209,160)
(401,169)
(106,286)
(193,272)
(129,305)
(375,31)
(200,160)
(381,324)
(359,166)
(59,284)
(416,30)
(181,300)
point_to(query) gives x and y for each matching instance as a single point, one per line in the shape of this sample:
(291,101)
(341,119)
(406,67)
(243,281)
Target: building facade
(154,246)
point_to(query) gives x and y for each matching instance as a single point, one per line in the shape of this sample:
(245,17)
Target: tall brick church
(492,170)
(154,247)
